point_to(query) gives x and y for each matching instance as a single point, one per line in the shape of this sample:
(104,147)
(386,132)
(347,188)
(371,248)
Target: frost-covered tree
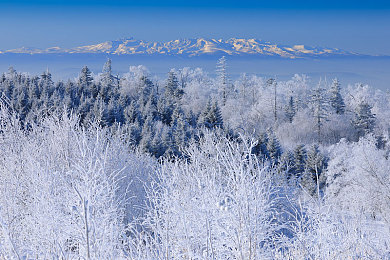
(364,120)
(273,148)
(357,179)
(211,117)
(299,159)
(319,106)
(336,100)
(290,109)
(218,204)
(85,77)
(260,147)
(68,189)
(315,163)
(223,82)
(172,89)
(107,78)
(272,83)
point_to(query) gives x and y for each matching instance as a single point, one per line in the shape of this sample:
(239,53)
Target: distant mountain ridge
(194,47)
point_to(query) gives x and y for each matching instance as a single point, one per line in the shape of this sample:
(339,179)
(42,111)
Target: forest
(192,166)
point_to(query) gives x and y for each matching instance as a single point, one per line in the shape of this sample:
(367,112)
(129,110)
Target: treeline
(152,117)
(290,120)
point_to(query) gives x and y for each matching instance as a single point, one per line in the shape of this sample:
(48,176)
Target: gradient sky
(360,26)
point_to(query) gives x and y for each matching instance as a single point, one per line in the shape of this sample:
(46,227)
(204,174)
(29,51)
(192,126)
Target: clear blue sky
(361,26)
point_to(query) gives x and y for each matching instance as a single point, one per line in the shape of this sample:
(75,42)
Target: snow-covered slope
(195,47)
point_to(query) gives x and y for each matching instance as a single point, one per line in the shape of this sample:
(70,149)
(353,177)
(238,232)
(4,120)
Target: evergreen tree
(150,108)
(315,162)
(83,108)
(286,163)
(170,100)
(11,72)
(145,90)
(165,110)
(192,119)
(299,160)
(110,114)
(223,84)
(177,113)
(172,90)
(336,100)
(364,121)
(85,78)
(97,111)
(216,116)
(157,148)
(319,104)
(168,143)
(272,83)
(260,149)
(147,135)
(211,116)
(8,88)
(313,180)
(46,83)
(203,117)
(273,148)
(107,78)
(180,131)
(21,105)
(290,109)
(131,113)
(133,133)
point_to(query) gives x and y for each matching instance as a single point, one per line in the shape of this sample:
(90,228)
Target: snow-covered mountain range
(193,47)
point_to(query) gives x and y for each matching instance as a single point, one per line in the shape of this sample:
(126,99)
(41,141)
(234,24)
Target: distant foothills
(195,47)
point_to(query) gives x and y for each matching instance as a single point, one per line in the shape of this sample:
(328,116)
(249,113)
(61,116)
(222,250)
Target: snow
(192,167)
(193,47)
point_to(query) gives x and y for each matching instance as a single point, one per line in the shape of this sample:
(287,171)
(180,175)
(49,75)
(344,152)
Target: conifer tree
(145,90)
(273,148)
(319,105)
(216,115)
(168,143)
(364,121)
(85,78)
(165,110)
(107,77)
(150,108)
(203,117)
(336,100)
(315,161)
(157,148)
(260,149)
(211,116)
(172,90)
(313,180)
(290,109)
(147,135)
(272,83)
(223,84)
(180,131)
(286,163)
(46,83)
(131,113)
(299,160)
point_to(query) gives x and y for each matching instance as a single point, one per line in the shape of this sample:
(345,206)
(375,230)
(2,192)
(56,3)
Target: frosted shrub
(65,190)
(218,204)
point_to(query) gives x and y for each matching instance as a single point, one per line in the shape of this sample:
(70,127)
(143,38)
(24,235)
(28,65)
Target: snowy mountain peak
(194,47)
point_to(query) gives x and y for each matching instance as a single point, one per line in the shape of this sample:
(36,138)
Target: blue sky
(361,26)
